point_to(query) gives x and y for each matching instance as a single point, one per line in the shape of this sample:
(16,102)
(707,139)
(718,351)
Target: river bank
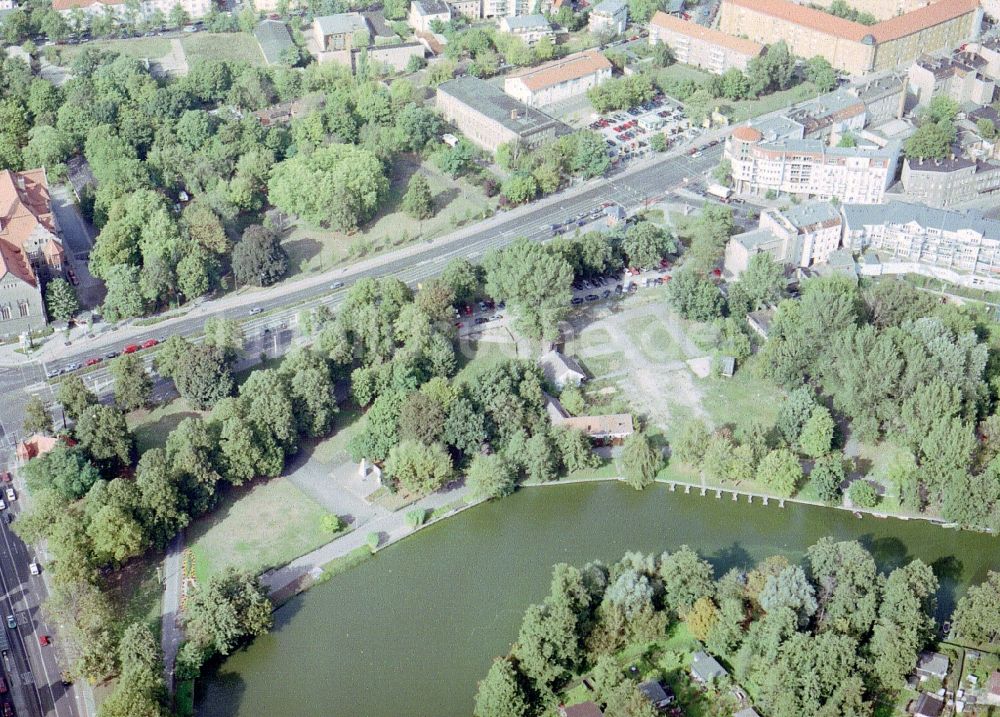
(417,625)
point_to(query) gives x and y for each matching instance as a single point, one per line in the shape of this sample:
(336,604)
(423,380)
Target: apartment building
(897,238)
(558,80)
(489,118)
(701,46)
(958,77)
(145,8)
(851,46)
(609,17)
(344,31)
(802,236)
(530,28)
(808,168)
(948,182)
(424,12)
(31,249)
(881,9)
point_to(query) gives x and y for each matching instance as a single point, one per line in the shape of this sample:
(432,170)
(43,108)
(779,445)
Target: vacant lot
(141,48)
(257,527)
(457,202)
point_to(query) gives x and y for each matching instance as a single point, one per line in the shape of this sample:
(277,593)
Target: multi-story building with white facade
(609,17)
(808,168)
(701,46)
(530,28)
(559,80)
(897,238)
(424,12)
(194,8)
(802,236)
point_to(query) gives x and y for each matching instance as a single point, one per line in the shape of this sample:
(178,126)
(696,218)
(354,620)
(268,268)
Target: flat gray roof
(492,102)
(344,23)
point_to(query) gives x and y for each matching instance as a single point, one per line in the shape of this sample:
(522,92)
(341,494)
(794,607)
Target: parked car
(93,361)
(130,349)
(71,366)
(255,310)
(337,285)
(34,568)
(576,300)
(11,622)
(44,640)
(53,372)
(592,297)
(2,505)
(11,495)
(481,320)
(150,343)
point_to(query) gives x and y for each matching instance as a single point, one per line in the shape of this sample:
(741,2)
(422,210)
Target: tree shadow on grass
(154,435)
(301,250)
(443,199)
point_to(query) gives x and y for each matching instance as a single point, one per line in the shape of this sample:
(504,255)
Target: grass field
(457,202)
(747,109)
(152,427)
(138,47)
(255,528)
(231,46)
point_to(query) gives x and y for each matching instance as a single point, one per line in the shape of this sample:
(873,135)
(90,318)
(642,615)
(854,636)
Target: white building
(146,8)
(898,238)
(959,77)
(530,28)
(808,168)
(701,46)
(561,79)
(803,236)
(609,16)
(425,12)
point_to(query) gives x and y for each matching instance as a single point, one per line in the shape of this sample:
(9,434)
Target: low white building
(530,28)
(609,16)
(803,236)
(561,370)
(424,12)
(559,80)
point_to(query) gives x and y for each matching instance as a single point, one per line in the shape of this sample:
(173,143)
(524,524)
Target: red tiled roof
(706,34)
(24,207)
(890,29)
(747,134)
(568,68)
(39,445)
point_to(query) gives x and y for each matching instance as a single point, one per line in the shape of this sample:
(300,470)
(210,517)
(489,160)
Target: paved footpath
(391,528)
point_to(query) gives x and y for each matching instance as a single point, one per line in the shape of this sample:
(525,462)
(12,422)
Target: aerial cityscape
(496,358)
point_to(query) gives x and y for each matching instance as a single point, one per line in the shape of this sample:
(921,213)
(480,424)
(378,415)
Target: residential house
(143,10)
(928,706)
(705,669)
(529,28)
(275,41)
(38,445)
(489,118)
(611,428)
(343,31)
(760,321)
(609,17)
(31,249)
(932,665)
(948,182)
(958,77)
(424,12)
(659,696)
(701,46)
(584,709)
(559,80)
(561,370)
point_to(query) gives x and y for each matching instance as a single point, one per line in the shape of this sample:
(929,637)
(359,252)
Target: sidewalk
(391,528)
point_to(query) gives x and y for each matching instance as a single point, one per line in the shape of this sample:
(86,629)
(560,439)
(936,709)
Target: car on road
(2,504)
(337,285)
(111,354)
(53,372)
(92,361)
(130,349)
(11,622)
(44,640)
(255,310)
(150,343)
(34,568)
(576,300)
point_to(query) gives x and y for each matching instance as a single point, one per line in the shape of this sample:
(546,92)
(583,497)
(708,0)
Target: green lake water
(410,632)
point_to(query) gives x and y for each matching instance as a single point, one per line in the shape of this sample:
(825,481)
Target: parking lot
(627,133)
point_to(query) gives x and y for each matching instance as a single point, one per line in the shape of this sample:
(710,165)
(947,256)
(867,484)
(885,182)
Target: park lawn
(229,46)
(140,48)
(604,364)
(679,71)
(653,340)
(151,427)
(748,109)
(256,527)
(730,400)
(476,357)
(457,202)
(332,450)
(587,339)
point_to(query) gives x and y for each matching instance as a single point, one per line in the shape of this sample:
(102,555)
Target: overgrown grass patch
(151,427)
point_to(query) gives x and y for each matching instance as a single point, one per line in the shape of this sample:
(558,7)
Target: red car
(716,272)
(91,361)
(150,343)
(130,349)
(43,640)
